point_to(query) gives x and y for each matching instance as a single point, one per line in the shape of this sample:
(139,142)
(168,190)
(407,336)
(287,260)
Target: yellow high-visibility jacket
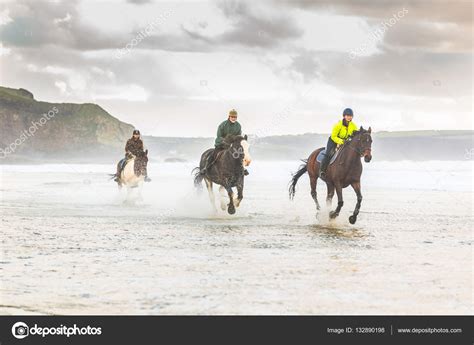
(341,132)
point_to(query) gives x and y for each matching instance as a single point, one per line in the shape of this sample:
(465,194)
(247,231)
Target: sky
(288,67)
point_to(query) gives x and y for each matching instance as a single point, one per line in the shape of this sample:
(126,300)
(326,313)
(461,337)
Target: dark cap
(347,111)
(136,131)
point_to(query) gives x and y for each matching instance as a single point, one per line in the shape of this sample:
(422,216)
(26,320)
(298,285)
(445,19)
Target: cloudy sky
(288,67)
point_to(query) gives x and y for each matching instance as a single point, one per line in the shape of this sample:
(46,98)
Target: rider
(340,132)
(228,127)
(134,147)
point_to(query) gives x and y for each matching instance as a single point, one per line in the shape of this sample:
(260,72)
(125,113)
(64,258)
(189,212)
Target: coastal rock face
(54,129)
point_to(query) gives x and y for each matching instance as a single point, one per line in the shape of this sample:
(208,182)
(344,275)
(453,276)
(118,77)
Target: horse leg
(120,180)
(230,206)
(211,194)
(129,198)
(314,194)
(240,192)
(222,194)
(340,202)
(356,186)
(330,195)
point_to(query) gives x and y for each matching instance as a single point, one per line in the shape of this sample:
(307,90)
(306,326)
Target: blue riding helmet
(348,111)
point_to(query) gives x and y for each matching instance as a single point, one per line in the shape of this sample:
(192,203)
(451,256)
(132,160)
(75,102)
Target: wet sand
(70,245)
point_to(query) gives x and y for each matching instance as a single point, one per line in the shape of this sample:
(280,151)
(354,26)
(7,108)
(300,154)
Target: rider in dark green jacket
(228,127)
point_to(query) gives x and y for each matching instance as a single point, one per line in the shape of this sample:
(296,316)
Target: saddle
(123,162)
(322,153)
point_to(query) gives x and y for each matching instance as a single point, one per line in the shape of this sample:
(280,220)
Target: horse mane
(360,131)
(354,134)
(230,139)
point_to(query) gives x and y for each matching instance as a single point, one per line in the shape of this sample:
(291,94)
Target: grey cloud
(457,11)
(139,2)
(42,23)
(252,29)
(305,63)
(182,42)
(100,73)
(393,72)
(39,24)
(437,38)
(439,25)
(246,29)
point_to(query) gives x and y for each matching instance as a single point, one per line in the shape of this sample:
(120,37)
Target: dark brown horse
(344,171)
(227,171)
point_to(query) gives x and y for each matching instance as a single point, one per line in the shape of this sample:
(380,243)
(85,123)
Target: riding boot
(147,179)
(324,166)
(246,172)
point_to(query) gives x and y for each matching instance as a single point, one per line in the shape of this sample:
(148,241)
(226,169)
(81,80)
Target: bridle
(361,152)
(237,153)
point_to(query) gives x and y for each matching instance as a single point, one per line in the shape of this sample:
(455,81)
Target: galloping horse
(134,172)
(344,171)
(226,171)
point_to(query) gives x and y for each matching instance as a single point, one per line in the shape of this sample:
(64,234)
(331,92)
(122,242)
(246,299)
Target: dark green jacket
(227,128)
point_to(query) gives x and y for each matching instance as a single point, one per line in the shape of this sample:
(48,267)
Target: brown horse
(344,171)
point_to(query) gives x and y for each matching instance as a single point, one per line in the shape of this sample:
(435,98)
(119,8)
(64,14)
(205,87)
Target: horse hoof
(223,207)
(352,219)
(231,210)
(333,214)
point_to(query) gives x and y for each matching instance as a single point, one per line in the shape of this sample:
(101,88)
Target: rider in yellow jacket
(340,132)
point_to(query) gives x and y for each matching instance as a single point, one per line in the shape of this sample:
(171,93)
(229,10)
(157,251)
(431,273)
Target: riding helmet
(136,131)
(233,112)
(347,111)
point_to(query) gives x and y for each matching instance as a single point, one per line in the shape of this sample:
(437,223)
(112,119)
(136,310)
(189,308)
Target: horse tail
(294,180)
(198,177)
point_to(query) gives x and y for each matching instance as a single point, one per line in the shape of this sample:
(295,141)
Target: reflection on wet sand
(336,230)
(70,247)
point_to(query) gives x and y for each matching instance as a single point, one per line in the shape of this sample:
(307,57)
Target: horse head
(239,147)
(363,142)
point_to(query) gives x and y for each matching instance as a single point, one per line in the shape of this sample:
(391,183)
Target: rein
(359,151)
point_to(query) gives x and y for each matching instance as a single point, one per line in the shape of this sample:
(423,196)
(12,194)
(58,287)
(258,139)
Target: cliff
(41,129)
